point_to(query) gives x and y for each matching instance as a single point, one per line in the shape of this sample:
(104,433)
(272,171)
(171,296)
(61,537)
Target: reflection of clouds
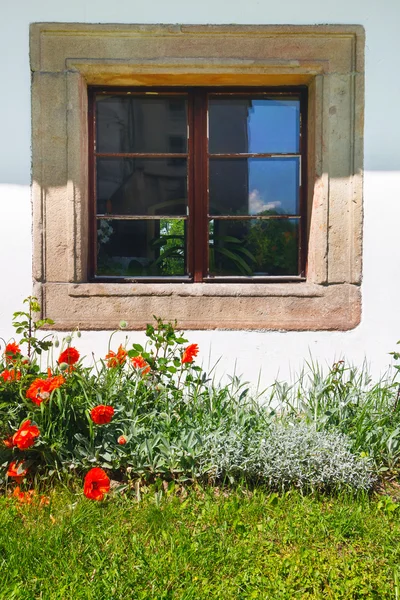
(257,203)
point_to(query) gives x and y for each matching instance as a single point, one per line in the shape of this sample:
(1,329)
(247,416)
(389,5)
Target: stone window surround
(66,58)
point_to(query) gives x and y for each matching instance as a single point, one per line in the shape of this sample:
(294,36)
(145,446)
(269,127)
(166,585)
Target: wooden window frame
(198,157)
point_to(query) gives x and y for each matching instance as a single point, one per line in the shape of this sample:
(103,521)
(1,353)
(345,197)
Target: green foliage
(25,325)
(275,243)
(171,247)
(347,400)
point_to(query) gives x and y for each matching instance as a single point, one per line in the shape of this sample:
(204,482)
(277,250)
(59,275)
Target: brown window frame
(198,156)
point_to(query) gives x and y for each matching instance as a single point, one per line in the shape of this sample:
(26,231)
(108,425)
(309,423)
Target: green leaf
(236,259)
(246,252)
(227,238)
(138,347)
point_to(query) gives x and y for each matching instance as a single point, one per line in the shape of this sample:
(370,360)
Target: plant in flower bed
(146,413)
(347,401)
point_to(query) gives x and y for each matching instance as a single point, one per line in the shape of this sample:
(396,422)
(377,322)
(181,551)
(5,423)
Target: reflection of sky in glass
(251,186)
(251,125)
(273,185)
(273,126)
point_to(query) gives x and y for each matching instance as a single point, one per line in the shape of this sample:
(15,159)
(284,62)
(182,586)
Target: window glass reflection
(253,125)
(142,186)
(253,247)
(141,124)
(141,248)
(254,186)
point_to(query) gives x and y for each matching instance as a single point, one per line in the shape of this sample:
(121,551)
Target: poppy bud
(63,366)
(122,440)
(123,324)
(68,339)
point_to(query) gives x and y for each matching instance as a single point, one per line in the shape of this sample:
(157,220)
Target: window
(198,184)
(319,291)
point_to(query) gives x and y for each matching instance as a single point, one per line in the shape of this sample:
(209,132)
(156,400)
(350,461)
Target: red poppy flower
(16,471)
(96,484)
(55,382)
(25,436)
(121,440)
(114,359)
(8,442)
(23,497)
(102,414)
(40,389)
(10,375)
(12,352)
(189,353)
(69,356)
(139,363)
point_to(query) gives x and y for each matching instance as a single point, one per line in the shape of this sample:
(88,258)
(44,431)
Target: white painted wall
(273,352)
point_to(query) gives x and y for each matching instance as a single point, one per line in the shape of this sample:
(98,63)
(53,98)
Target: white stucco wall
(268,352)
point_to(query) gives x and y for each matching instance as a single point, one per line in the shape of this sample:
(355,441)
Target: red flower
(96,484)
(69,356)
(113,360)
(10,375)
(12,351)
(8,442)
(55,382)
(16,471)
(139,363)
(189,353)
(102,414)
(121,440)
(25,436)
(40,389)
(23,497)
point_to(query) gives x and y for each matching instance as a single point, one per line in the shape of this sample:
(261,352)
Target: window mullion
(199,185)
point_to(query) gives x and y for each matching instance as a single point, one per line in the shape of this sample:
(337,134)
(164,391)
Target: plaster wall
(248,352)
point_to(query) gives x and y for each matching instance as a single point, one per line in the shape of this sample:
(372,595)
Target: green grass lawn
(211,544)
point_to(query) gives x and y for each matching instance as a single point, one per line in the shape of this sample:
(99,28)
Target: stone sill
(257,307)
(190,290)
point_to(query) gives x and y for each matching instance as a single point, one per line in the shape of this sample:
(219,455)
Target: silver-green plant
(294,455)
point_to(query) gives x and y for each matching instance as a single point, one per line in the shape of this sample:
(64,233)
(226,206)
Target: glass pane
(253,247)
(141,123)
(141,248)
(253,125)
(141,186)
(254,186)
